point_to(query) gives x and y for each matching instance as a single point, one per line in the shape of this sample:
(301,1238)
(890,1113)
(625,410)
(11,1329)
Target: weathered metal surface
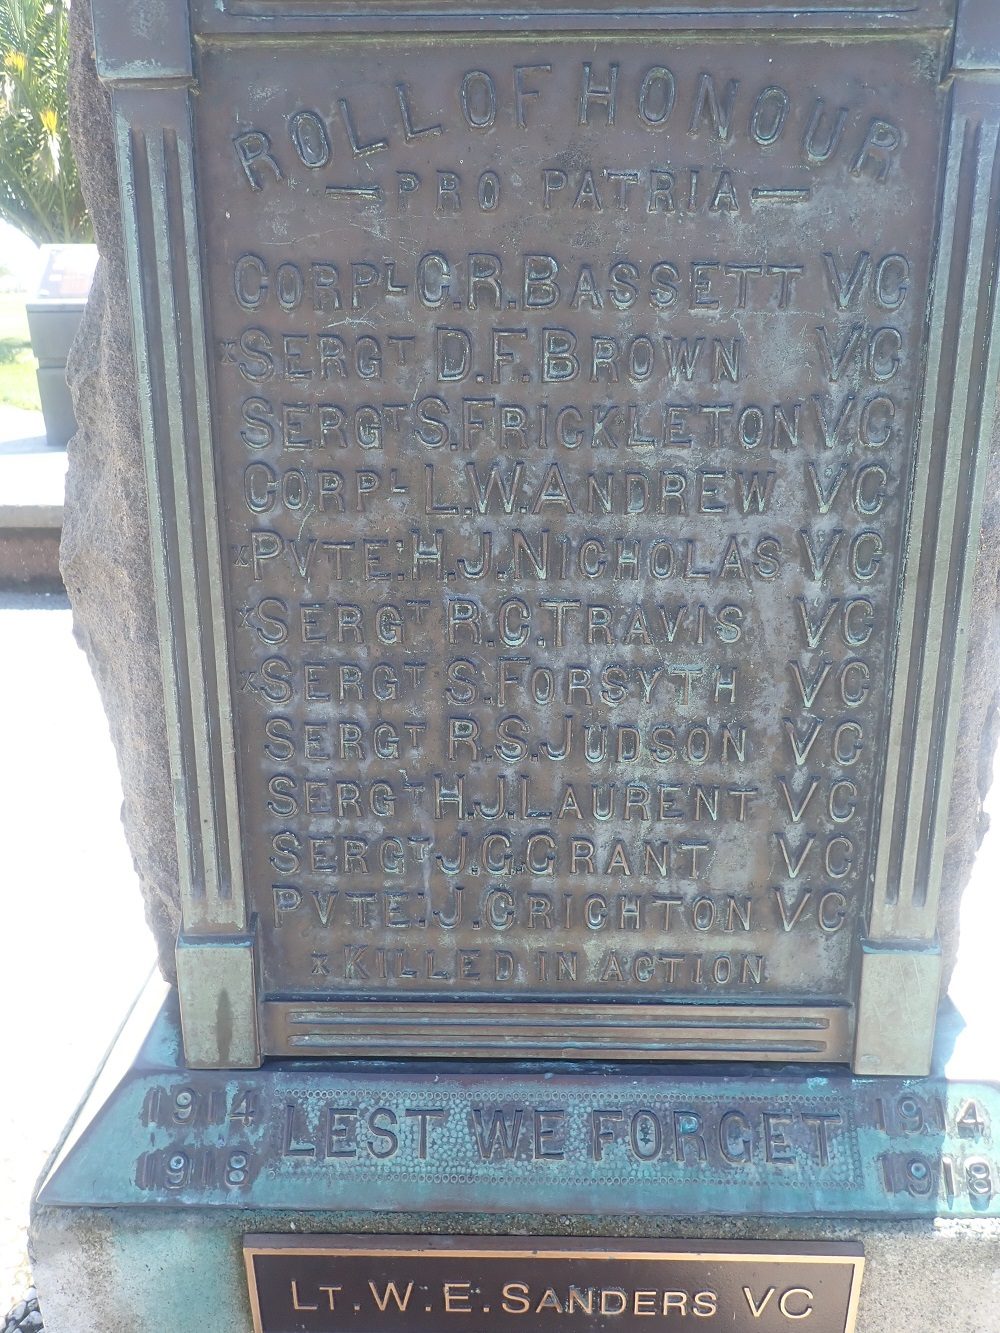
(977,36)
(565,545)
(340,1284)
(724,1141)
(258,17)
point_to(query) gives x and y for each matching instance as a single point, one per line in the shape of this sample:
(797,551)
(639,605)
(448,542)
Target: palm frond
(39,185)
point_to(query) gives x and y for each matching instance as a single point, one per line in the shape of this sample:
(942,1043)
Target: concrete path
(32,475)
(74,948)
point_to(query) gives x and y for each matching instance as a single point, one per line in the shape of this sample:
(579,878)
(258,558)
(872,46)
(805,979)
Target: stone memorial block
(568,437)
(319,1172)
(566,444)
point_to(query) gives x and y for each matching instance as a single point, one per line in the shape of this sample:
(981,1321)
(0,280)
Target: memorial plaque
(565,458)
(338,1284)
(566,434)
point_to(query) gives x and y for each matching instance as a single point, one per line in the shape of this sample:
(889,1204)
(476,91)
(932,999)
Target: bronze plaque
(338,1284)
(568,464)
(551,525)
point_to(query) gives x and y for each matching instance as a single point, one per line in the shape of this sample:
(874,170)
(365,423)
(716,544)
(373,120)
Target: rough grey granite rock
(106,566)
(25,1316)
(105,556)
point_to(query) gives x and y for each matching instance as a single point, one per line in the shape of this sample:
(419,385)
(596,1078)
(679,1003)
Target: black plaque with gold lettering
(565,444)
(344,1284)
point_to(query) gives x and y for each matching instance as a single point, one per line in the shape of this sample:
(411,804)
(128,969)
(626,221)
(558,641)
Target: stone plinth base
(139,1221)
(102,1271)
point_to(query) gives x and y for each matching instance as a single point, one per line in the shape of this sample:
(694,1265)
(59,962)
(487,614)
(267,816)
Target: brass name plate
(338,1284)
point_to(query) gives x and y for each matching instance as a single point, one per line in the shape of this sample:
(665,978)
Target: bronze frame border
(520,1029)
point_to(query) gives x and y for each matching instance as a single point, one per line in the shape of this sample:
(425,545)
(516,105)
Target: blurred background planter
(41,212)
(54,313)
(40,189)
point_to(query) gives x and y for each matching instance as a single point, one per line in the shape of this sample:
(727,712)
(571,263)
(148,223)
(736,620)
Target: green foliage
(39,185)
(18,382)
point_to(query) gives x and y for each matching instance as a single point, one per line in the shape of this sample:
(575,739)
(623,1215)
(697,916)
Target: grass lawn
(18,386)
